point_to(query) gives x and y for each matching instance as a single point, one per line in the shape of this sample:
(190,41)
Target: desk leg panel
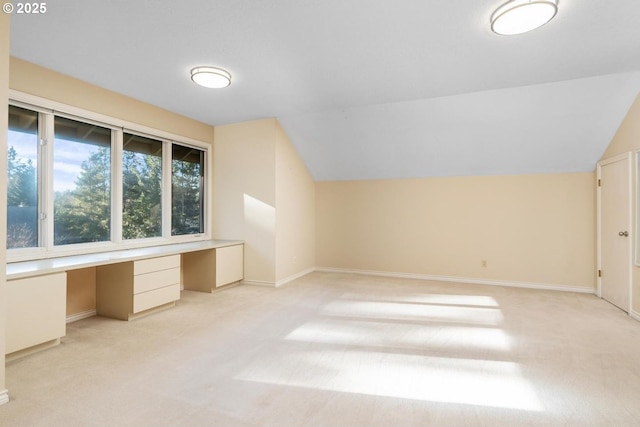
(114,290)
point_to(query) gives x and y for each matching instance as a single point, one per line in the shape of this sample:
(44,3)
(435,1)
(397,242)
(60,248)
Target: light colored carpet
(342,350)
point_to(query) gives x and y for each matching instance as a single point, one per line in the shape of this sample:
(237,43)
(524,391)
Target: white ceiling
(366,88)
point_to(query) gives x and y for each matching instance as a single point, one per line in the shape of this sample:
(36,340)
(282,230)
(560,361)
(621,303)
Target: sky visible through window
(67,162)
(68,159)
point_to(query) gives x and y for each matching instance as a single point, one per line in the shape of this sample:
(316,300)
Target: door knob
(623,233)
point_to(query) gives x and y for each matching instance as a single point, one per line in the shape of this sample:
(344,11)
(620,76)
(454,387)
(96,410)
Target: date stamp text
(25,8)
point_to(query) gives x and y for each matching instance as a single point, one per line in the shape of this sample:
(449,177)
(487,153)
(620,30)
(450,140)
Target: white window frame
(47,109)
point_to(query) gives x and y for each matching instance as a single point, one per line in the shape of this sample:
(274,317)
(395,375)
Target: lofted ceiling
(366,89)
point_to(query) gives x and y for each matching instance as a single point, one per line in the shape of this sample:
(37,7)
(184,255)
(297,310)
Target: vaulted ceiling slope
(366,89)
(546,128)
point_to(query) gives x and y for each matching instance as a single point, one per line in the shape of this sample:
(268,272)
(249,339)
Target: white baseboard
(293,277)
(4,397)
(281,282)
(507,283)
(258,283)
(79,316)
(635,315)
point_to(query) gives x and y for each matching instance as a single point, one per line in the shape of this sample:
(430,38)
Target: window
(86,185)
(187,179)
(141,187)
(81,182)
(22,184)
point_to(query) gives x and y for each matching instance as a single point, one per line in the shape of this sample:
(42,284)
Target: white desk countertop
(22,269)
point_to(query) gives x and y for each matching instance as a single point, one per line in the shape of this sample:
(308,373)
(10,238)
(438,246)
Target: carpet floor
(333,349)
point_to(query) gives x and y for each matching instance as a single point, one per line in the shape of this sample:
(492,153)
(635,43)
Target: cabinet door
(36,310)
(229,265)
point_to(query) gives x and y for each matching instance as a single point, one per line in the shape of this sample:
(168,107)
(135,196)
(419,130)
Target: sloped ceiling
(366,89)
(546,128)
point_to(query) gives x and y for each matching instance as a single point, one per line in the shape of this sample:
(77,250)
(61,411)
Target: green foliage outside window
(22,202)
(187,168)
(84,214)
(142,195)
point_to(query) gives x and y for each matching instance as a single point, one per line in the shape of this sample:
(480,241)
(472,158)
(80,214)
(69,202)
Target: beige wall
(295,215)
(536,229)
(264,195)
(4,87)
(627,138)
(245,194)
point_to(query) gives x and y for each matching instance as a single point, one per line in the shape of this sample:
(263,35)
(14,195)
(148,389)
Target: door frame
(628,156)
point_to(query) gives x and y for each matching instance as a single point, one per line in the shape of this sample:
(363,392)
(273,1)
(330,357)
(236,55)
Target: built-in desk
(129,283)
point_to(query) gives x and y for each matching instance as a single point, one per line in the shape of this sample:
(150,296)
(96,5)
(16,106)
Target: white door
(615,230)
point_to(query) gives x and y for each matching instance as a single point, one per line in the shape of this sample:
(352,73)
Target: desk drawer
(151,299)
(144,266)
(155,280)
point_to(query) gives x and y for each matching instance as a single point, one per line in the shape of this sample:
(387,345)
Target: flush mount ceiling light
(211,77)
(520,16)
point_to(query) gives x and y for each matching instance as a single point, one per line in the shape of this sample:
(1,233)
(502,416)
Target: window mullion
(46,150)
(41,180)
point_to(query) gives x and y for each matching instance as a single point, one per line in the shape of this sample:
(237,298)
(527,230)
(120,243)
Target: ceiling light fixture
(211,77)
(520,16)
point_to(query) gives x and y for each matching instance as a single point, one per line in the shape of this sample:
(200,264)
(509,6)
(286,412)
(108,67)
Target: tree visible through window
(187,187)
(141,187)
(22,179)
(81,182)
